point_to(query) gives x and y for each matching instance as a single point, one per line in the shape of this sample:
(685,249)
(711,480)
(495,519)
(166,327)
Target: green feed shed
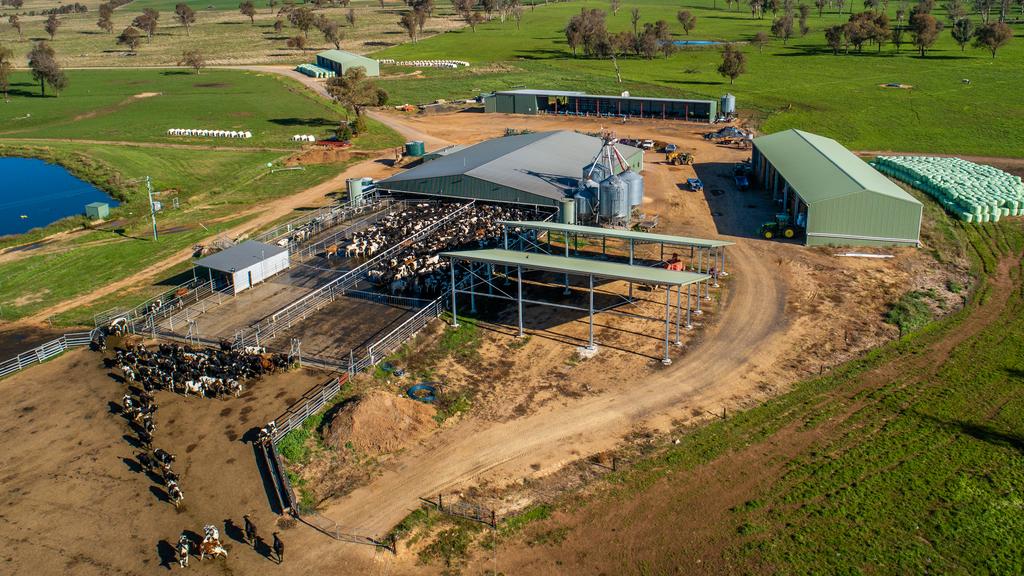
(338,61)
(836,196)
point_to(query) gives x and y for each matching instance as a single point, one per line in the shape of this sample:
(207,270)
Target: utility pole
(152,207)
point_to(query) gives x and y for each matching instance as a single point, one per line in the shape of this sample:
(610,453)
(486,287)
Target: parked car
(741,182)
(695,184)
(647,144)
(671,148)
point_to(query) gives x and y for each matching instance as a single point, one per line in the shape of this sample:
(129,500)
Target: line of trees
(588,31)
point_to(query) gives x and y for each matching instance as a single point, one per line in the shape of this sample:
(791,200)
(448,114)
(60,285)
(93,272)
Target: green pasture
(795,85)
(108,105)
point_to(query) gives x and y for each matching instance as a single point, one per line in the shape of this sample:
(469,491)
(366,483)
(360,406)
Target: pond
(36,193)
(695,42)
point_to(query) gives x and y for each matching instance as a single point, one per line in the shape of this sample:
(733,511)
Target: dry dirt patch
(380,423)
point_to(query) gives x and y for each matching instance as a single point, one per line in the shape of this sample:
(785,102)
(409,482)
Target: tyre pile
(972,192)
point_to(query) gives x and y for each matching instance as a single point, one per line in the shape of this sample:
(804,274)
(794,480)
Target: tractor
(780,227)
(678,157)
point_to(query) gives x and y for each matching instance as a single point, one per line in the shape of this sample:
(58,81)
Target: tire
(789,232)
(768,234)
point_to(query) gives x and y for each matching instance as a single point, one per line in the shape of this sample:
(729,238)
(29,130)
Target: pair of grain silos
(606,196)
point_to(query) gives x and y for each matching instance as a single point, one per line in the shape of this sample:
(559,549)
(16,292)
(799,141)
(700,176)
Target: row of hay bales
(972,192)
(315,71)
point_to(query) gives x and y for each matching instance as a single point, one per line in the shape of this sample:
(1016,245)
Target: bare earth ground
(751,347)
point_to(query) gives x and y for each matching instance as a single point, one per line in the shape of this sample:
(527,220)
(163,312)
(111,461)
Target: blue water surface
(42,192)
(695,42)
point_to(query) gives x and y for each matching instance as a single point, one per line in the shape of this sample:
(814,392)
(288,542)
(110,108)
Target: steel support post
(567,291)
(707,289)
(472,289)
(668,293)
(723,272)
(519,296)
(490,279)
(698,311)
(590,346)
(700,260)
(455,315)
(679,313)
(689,297)
(630,263)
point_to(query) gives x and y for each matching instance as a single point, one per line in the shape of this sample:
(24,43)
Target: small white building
(244,265)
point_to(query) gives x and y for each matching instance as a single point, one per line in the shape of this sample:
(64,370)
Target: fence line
(309,404)
(320,219)
(454,506)
(388,299)
(267,329)
(44,352)
(193,290)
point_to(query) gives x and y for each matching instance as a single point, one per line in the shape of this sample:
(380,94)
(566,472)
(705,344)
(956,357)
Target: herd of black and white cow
(203,372)
(415,268)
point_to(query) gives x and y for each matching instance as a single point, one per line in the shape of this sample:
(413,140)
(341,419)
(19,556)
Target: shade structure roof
(580,266)
(620,234)
(532,92)
(546,164)
(820,168)
(240,256)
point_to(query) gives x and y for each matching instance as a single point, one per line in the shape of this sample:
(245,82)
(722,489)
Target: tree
(408,23)
(130,37)
(782,27)
(356,91)
(297,42)
(6,54)
(303,19)
(993,36)
(350,17)
(147,22)
(248,9)
(897,37)
(186,15)
(467,10)
(106,21)
(421,17)
(332,32)
(634,19)
(955,10)
(615,5)
(962,31)
(772,6)
(687,20)
(925,29)
(278,25)
(587,30)
(820,5)
(760,40)
(734,63)
(517,14)
(834,37)
(16,24)
(42,60)
(271,4)
(51,25)
(756,8)
(193,59)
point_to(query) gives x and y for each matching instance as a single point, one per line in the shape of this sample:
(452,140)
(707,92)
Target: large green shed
(338,61)
(839,198)
(538,169)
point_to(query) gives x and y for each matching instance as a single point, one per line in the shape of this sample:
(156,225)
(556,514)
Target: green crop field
(799,84)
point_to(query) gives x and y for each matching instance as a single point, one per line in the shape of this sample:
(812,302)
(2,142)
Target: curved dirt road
(563,434)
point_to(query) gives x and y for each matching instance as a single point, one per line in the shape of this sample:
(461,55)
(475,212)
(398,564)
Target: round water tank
(414,148)
(728,104)
(596,172)
(614,198)
(567,211)
(355,190)
(634,187)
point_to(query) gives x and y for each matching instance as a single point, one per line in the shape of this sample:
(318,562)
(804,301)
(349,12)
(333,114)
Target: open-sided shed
(836,196)
(244,265)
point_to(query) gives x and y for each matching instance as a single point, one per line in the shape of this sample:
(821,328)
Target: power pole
(152,207)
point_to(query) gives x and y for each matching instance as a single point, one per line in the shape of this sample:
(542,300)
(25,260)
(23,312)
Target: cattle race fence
(45,351)
(270,327)
(319,220)
(456,506)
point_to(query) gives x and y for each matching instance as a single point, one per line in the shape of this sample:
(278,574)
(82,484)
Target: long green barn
(836,196)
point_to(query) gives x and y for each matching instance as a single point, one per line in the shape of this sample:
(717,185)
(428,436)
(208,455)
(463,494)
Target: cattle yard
(523,345)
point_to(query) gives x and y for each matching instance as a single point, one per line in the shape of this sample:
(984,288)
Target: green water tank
(97,210)
(414,148)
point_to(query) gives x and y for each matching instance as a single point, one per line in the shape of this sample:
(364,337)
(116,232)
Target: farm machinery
(678,158)
(780,227)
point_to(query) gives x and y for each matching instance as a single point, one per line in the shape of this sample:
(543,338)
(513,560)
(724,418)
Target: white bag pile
(208,133)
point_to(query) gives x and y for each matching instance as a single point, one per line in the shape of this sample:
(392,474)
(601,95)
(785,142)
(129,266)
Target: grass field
(906,461)
(796,85)
(94,128)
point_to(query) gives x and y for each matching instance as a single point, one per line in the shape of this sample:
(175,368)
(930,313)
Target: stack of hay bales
(972,192)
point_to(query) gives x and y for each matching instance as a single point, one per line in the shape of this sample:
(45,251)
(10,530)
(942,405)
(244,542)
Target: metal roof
(344,57)
(820,168)
(240,256)
(607,97)
(562,264)
(621,234)
(547,164)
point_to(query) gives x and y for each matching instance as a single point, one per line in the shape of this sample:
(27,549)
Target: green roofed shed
(339,61)
(839,198)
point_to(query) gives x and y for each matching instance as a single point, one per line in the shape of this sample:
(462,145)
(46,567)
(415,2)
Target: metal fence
(455,506)
(44,352)
(309,404)
(166,302)
(320,220)
(393,340)
(267,329)
(321,245)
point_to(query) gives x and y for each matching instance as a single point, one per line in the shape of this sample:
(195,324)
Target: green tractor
(780,228)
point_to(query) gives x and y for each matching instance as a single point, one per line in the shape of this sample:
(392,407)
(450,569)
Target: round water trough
(423,392)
